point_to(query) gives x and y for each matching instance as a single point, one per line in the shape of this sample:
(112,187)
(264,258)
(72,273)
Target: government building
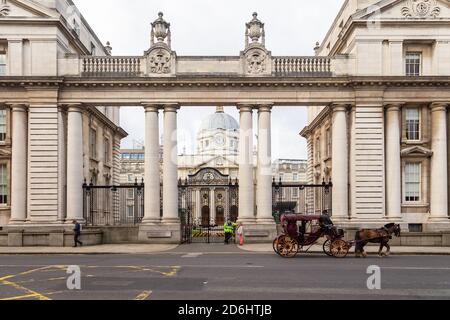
(217,150)
(377,92)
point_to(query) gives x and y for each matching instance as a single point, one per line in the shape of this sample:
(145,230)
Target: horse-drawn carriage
(304,231)
(301,232)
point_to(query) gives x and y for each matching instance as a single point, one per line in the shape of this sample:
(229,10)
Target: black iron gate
(205,208)
(309,199)
(113,205)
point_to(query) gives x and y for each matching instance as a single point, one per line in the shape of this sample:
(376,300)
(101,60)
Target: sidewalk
(100,249)
(266,248)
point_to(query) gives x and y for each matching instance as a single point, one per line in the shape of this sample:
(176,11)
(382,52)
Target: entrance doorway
(199,222)
(206,213)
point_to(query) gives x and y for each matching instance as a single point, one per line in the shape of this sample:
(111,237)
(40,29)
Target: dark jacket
(77,228)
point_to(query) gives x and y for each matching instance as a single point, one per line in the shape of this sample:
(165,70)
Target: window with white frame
(413,64)
(2,125)
(412,182)
(2,64)
(295,177)
(3,184)
(93,143)
(413,124)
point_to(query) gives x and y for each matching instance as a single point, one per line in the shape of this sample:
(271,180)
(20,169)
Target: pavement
(265,248)
(218,272)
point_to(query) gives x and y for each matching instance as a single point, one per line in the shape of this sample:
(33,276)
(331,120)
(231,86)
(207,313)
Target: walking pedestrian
(77,234)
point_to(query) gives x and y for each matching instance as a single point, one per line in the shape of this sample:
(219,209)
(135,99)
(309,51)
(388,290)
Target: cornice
(350,82)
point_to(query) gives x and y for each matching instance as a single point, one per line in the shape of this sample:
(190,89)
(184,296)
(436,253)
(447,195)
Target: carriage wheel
(339,248)
(327,248)
(287,247)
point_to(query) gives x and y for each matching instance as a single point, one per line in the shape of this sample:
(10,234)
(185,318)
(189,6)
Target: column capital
(171,107)
(245,107)
(265,107)
(18,107)
(393,107)
(151,107)
(74,107)
(339,107)
(438,106)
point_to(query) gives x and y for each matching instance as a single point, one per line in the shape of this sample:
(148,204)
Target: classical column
(170,165)
(152,188)
(340,162)
(19,164)
(393,162)
(75,176)
(439,172)
(264,170)
(62,152)
(246,183)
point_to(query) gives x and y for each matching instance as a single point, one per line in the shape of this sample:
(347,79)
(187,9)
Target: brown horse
(381,236)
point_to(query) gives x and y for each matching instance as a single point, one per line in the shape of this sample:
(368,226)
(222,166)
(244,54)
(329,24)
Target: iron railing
(309,199)
(113,205)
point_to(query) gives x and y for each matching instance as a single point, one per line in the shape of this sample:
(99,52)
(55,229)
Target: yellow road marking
(144,295)
(38,295)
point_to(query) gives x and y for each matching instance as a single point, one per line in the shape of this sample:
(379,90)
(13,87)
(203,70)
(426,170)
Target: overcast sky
(212,27)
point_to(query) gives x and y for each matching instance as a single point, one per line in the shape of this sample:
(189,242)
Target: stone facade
(37,150)
(396,164)
(378,59)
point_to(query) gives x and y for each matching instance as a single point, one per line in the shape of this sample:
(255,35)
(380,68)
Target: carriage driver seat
(326,224)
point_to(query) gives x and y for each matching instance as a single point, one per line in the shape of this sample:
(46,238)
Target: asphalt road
(224,273)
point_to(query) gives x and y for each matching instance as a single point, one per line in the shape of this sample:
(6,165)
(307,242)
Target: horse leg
(380,253)
(364,254)
(357,250)
(388,253)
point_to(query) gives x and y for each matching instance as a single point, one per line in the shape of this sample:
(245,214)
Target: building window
(318,153)
(295,176)
(2,125)
(107,155)
(413,124)
(3,184)
(76,27)
(2,64)
(413,62)
(93,143)
(93,53)
(413,183)
(329,145)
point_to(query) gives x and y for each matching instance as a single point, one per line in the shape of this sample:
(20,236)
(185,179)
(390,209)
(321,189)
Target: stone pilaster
(439,172)
(393,162)
(19,164)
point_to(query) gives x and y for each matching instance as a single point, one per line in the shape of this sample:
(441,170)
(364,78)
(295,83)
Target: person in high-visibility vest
(228,229)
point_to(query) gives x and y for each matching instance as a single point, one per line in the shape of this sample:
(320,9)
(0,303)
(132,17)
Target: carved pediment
(24,8)
(417,151)
(409,9)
